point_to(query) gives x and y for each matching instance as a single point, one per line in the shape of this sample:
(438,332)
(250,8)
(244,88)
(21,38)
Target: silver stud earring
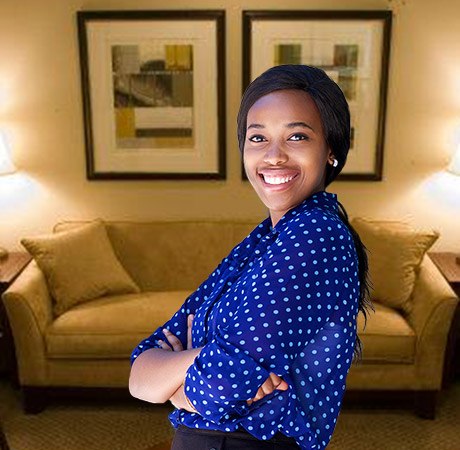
(335,163)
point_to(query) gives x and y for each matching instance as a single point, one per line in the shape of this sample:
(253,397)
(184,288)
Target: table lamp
(454,168)
(6,167)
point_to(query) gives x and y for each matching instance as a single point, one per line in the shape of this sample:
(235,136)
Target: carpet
(142,426)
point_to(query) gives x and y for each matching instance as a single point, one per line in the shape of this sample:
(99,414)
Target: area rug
(142,426)
(83,425)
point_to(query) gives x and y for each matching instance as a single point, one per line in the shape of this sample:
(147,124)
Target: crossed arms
(157,375)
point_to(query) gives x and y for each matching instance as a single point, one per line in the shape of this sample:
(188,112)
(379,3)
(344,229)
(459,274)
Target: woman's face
(285,151)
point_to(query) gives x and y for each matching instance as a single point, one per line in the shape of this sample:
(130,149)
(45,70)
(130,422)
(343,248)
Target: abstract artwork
(153,93)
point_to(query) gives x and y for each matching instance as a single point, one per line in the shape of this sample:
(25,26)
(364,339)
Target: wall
(40,107)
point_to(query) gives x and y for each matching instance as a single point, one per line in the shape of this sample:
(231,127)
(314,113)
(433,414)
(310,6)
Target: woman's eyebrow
(299,124)
(288,125)
(255,125)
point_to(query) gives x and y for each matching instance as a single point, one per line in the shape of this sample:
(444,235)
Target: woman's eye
(257,138)
(298,137)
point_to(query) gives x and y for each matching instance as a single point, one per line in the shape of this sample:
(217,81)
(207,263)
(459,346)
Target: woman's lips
(280,186)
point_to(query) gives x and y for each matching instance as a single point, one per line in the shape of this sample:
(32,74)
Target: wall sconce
(6,167)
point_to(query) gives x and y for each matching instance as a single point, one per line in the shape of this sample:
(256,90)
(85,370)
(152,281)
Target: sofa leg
(34,399)
(425,404)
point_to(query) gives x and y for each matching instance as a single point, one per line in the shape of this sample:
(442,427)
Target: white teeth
(277,180)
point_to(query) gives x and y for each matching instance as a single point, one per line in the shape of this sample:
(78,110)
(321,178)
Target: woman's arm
(157,374)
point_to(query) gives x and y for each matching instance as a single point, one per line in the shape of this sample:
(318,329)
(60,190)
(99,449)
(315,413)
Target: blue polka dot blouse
(285,300)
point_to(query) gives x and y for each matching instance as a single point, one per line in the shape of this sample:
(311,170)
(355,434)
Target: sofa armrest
(434,304)
(28,305)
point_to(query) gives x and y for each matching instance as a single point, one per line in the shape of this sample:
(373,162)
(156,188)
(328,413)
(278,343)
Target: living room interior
(63,383)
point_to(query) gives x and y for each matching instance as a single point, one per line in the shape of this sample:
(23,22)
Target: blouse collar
(320,199)
(265,232)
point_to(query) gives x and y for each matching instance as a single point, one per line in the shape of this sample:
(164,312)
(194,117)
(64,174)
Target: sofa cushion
(79,265)
(387,337)
(395,252)
(111,327)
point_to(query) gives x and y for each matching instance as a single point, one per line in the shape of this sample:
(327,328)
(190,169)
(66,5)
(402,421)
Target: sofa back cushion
(79,265)
(172,255)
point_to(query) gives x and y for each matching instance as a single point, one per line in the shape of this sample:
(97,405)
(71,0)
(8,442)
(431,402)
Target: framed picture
(153,94)
(352,47)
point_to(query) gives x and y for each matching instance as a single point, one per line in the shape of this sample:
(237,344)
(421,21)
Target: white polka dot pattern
(284,300)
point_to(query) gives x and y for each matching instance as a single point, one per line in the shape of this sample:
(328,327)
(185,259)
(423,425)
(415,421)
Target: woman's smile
(276,182)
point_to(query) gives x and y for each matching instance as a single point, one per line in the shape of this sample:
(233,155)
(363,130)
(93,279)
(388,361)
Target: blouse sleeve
(285,301)
(178,323)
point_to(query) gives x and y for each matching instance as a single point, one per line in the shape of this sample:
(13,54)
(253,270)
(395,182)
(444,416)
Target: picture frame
(153,87)
(353,47)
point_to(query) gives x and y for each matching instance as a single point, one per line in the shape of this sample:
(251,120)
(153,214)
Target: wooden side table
(10,268)
(445,261)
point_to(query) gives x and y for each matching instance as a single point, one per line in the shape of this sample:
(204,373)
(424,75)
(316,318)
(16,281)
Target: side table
(10,268)
(445,262)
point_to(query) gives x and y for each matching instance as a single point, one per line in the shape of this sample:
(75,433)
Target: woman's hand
(174,341)
(270,384)
(180,401)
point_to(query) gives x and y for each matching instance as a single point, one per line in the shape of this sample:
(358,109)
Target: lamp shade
(6,165)
(454,166)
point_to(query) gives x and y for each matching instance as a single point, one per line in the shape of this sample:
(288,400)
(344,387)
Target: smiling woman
(257,357)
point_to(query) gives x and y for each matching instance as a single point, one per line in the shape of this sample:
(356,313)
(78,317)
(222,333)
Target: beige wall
(40,108)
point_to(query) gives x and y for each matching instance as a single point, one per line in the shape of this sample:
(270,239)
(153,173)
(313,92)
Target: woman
(257,356)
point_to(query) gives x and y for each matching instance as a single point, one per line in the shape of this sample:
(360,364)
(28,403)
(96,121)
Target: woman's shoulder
(315,221)
(317,228)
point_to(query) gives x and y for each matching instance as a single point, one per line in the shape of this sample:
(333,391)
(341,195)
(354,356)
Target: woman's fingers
(269,385)
(259,395)
(173,340)
(278,382)
(267,388)
(176,342)
(189,330)
(164,345)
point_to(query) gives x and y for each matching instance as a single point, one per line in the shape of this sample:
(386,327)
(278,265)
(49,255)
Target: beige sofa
(89,345)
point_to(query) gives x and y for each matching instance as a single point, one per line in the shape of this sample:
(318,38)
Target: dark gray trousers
(187,438)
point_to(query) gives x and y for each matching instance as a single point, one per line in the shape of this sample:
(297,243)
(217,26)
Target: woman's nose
(275,154)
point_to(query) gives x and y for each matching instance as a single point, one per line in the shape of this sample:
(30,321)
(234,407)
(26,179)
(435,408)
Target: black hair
(335,116)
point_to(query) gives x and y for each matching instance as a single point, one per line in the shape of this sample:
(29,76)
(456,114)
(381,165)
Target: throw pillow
(395,252)
(79,265)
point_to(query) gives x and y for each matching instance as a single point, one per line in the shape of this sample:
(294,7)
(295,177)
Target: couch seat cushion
(387,338)
(111,327)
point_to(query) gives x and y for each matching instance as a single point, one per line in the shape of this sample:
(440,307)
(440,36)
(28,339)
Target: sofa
(88,344)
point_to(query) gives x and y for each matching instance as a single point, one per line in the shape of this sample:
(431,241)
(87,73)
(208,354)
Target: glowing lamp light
(454,166)
(6,165)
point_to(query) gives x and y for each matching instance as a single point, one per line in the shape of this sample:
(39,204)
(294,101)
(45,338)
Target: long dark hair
(335,117)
